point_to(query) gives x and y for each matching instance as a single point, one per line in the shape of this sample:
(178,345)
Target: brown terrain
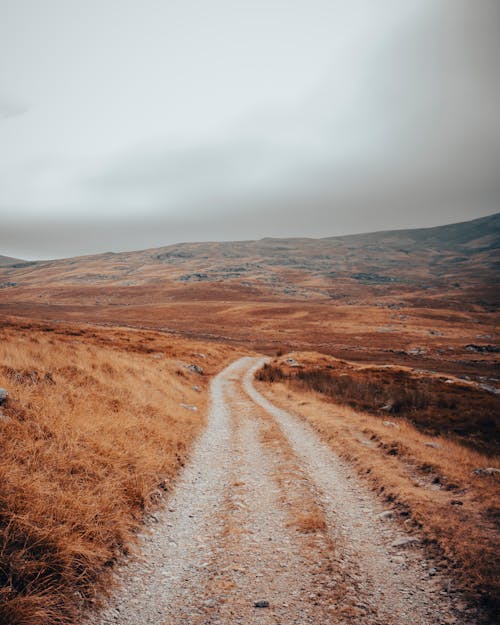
(384,354)
(417,296)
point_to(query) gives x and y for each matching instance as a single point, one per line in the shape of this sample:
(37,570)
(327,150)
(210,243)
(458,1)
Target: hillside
(96,427)
(7,261)
(426,295)
(395,365)
(459,257)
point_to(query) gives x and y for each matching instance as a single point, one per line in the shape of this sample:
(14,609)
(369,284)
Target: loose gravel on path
(266,525)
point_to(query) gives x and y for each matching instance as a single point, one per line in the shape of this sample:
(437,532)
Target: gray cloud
(10,109)
(401,132)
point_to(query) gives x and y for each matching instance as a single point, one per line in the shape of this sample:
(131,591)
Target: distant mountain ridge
(454,258)
(7,261)
(460,233)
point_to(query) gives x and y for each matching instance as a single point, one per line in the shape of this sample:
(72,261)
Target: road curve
(266,525)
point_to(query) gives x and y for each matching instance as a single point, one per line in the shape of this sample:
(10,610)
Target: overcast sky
(127,124)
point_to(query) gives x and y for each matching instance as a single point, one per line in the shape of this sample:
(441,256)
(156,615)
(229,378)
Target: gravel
(224,549)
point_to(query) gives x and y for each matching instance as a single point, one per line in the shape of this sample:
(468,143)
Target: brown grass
(305,514)
(431,403)
(310,522)
(92,436)
(428,481)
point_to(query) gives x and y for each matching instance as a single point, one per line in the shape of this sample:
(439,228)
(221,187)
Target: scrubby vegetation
(91,436)
(400,432)
(432,404)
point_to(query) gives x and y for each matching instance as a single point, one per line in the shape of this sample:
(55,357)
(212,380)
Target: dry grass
(429,481)
(305,514)
(434,404)
(91,437)
(310,522)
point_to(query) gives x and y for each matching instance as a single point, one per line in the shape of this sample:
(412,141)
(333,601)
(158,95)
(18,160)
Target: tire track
(266,512)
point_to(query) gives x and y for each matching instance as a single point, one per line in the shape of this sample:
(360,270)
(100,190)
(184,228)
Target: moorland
(108,358)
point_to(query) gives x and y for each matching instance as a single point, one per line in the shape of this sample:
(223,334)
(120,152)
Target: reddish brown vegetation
(91,436)
(430,483)
(430,403)
(403,297)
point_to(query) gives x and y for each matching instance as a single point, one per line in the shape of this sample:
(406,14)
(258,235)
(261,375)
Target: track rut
(266,525)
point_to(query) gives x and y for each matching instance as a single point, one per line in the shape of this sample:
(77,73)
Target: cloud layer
(314,119)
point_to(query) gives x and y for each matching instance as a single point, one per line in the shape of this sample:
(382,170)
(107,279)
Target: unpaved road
(265,512)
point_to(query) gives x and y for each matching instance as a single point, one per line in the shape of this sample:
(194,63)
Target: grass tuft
(91,435)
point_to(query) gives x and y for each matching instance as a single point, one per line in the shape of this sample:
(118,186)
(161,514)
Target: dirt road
(267,526)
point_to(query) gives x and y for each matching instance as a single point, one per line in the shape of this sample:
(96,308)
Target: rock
(195,369)
(373,277)
(388,407)
(406,541)
(433,445)
(196,388)
(489,388)
(194,277)
(4,393)
(390,424)
(366,441)
(387,514)
(484,471)
(189,407)
(261,604)
(456,502)
(483,349)
(291,362)
(416,351)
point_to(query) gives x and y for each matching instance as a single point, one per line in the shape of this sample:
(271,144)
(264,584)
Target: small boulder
(261,604)
(386,514)
(195,369)
(390,424)
(4,393)
(489,388)
(487,471)
(189,407)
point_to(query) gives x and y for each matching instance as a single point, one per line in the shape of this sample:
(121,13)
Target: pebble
(261,604)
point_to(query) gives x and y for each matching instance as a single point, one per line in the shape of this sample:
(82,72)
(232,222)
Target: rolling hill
(426,294)
(403,261)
